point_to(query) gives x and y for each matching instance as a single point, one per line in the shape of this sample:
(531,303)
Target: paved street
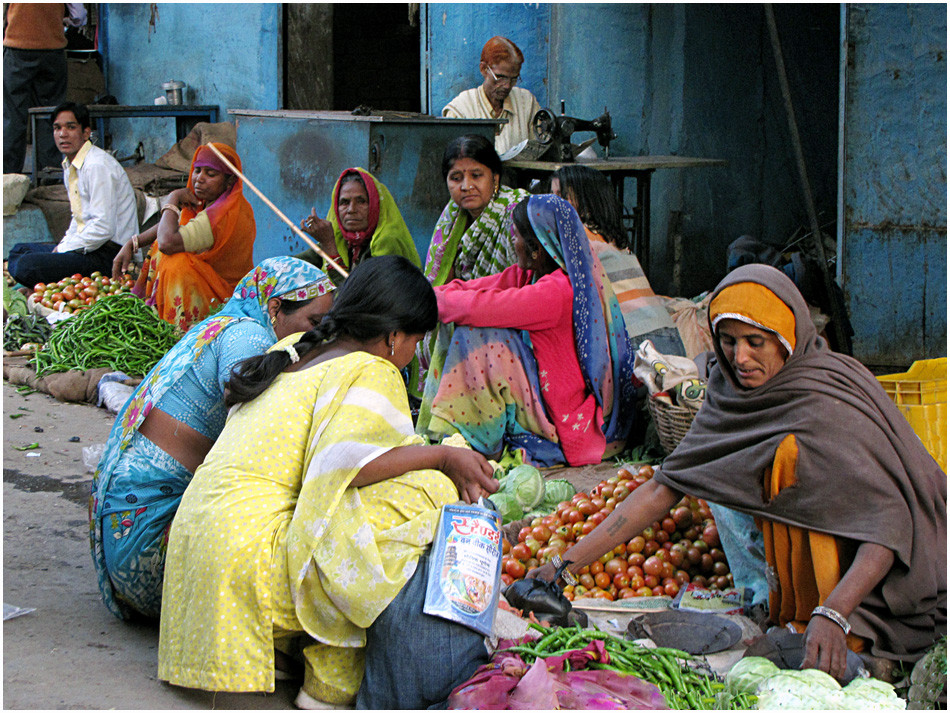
(71,652)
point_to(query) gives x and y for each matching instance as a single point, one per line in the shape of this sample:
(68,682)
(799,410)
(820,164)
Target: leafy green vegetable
(526,485)
(870,694)
(746,675)
(508,507)
(556,491)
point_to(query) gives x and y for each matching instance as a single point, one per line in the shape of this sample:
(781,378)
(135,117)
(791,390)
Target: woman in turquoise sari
(172,419)
(539,360)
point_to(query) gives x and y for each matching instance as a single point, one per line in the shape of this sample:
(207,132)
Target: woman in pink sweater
(539,358)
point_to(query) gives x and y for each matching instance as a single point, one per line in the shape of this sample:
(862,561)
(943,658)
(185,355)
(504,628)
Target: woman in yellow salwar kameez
(310,512)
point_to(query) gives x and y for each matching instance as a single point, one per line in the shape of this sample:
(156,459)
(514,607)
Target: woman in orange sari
(202,246)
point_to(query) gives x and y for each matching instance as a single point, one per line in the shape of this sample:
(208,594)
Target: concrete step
(27,225)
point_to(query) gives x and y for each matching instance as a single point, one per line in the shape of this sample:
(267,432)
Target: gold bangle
(172,206)
(135,243)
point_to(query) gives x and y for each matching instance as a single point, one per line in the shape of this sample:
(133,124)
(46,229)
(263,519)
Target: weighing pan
(692,632)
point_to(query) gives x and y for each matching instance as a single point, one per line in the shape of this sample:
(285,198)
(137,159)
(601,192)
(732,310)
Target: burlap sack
(74,386)
(179,156)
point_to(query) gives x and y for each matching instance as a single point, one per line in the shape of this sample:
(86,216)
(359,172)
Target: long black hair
(519,216)
(473,146)
(595,201)
(382,295)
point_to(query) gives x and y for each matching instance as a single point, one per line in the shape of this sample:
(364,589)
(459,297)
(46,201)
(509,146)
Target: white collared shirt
(101,200)
(519,109)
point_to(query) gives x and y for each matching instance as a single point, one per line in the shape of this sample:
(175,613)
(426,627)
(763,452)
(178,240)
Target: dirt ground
(71,652)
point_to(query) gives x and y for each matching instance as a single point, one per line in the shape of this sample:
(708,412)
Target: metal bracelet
(561,566)
(829,613)
(172,206)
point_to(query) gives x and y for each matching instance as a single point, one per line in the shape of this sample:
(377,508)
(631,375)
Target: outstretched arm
(643,506)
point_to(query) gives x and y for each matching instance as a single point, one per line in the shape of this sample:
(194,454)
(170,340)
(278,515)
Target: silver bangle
(172,206)
(829,613)
(568,578)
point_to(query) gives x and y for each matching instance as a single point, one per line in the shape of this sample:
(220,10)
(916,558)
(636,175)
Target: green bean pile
(119,332)
(684,687)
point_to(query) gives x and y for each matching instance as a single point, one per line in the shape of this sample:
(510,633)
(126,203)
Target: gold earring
(534,255)
(273,320)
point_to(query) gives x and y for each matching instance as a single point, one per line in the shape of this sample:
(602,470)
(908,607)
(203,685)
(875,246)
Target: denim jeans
(30,263)
(744,547)
(415,660)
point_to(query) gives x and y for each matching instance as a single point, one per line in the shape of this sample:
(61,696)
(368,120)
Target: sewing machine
(555,132)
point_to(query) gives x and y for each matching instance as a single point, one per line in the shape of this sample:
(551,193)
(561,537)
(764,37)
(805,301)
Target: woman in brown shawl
(852,507)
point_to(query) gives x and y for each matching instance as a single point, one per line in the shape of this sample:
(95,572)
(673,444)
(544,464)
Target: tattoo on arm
(617,526)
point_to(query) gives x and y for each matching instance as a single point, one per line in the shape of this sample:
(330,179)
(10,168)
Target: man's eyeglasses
(503,79)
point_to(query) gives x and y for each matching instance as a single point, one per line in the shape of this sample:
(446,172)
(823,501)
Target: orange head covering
(757,305)
(204,156)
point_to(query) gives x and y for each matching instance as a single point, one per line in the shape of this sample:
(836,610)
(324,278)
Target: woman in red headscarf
(203,243)
(363,221)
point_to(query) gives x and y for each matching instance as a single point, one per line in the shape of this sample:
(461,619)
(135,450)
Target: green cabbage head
(746,675)
(508,507)
(556,492)
(526,485)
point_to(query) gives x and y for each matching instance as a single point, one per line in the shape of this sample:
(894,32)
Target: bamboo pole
(300,234)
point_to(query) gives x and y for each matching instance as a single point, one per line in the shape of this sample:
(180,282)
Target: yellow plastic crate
(924,383)
(921,395)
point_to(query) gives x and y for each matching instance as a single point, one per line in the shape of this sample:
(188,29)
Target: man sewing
(498,97)
(101,200)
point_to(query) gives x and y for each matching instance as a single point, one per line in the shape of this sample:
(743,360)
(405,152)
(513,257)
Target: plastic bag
(91,455)
(544,598)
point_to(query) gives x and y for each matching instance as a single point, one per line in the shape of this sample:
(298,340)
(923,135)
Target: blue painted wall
(894,190)
(229,54)
(458,31)
(685,79)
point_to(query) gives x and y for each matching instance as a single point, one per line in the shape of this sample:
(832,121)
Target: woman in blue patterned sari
(170,422)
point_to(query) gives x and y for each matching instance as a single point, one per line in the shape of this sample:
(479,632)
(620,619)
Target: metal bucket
(173,91)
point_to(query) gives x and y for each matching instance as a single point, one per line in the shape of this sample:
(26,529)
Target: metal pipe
(844,343)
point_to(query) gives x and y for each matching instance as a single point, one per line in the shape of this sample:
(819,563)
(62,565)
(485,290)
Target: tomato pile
(75,293)
(680,549)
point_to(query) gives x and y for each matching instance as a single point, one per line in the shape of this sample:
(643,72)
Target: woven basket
(672,422)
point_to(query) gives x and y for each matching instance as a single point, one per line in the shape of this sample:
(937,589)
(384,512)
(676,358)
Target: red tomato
(653,566)
(523,533)
(506,579)
(596,567)
(77,276)
(602,580)
(671,589)
(636,559)
(615,566)
(521,552)
(542,533)
(514,569)
(621,580)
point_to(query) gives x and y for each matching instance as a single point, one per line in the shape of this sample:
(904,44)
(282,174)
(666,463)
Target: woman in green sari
(473,235)
(363,221)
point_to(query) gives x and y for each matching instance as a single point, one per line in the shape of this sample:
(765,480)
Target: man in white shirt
(102,204)
(498,97)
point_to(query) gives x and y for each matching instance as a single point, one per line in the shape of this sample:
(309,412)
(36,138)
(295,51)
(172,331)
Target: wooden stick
(300,234)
